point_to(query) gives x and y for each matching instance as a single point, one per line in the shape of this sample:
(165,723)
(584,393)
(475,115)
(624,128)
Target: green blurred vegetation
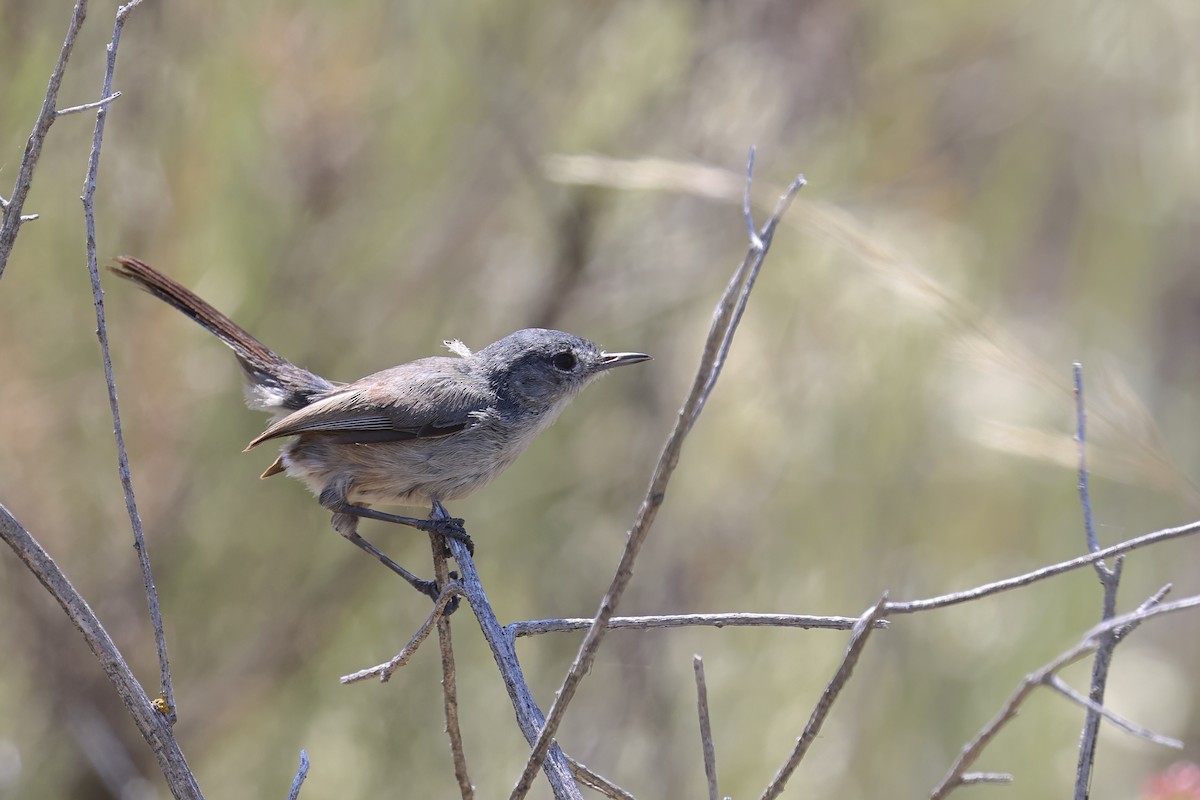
(996,190)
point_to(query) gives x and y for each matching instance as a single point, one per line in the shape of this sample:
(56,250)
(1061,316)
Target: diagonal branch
(858,640)
(153,726)
(941,601)
(716,347)
(10,224)
(529,716)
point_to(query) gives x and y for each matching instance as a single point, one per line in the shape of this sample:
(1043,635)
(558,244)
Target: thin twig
(385,670)
(529,716)
(1087,644)
(720,337)
(1138,542)
(597,781)
(858,640)
(706,737)
(62,112)
(10,225)
(153,726)
(301,774)
(441,574)
(1061,686)
(535,627)
(89,217)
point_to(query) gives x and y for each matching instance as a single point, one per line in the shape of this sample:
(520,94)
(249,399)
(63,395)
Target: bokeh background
(996,190)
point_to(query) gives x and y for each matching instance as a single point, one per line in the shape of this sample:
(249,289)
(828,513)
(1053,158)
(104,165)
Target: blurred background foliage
(996,189)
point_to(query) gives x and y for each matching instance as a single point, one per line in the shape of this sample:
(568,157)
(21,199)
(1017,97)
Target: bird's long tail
(272,382)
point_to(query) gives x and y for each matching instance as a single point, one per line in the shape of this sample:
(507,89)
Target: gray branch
(716,347)
(858,640)
(153,725)
(10,225)
(535,627)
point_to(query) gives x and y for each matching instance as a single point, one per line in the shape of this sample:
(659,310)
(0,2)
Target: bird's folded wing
(396,405)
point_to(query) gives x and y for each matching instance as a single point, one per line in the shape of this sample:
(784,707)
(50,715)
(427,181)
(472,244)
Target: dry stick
(858,640)
(535,627)
(301,774)
(529,716)
(385,670)
(1090,641)
(1110,580)
(716,346)
(10,225)
(441,574)
(152,725)
(597,781)
(942,601)
(706,737)
(89,217)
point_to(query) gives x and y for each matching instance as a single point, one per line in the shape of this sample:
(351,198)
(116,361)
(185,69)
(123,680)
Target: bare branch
(153,726)
(441,574)
(941,601)
(89,218)
(385,670)
(729,620)
(1059,685)
(858,640)
(10,225)
(529,716)
(301,774)
(706,737)
(720,337)
(62,112)
(1087,644)
(597,781)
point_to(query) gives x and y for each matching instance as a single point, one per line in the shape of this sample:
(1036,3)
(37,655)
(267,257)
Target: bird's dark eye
(564,361)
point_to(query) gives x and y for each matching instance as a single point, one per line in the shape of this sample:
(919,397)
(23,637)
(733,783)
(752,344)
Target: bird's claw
(450,527)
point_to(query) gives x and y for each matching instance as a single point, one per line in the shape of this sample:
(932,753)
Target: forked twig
(1087,644)
(529,716)
(716,347)
(11,219)
(385,670)
(1110,580)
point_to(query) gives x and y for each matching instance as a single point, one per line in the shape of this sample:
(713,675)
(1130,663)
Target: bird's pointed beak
(610,360)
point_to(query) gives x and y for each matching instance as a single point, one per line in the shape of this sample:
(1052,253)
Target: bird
(422,433)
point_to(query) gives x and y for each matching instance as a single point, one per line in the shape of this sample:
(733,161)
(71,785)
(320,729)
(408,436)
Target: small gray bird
(432,430)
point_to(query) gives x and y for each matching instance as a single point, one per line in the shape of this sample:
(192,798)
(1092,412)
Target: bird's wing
(427,398)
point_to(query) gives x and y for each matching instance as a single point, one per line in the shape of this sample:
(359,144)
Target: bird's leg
(334,497)
(444,526)
(347,526)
